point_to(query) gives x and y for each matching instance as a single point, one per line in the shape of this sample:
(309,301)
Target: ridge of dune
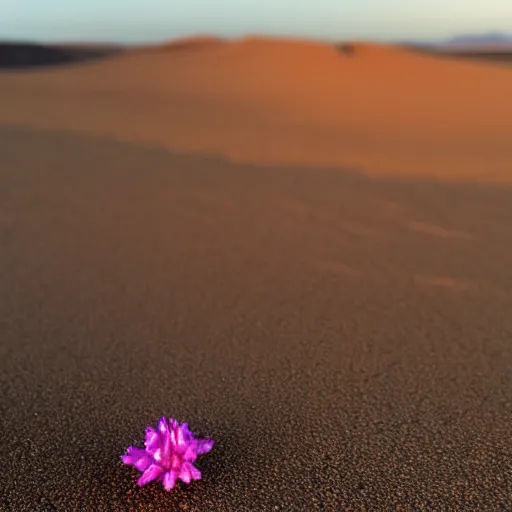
(195,42)
(381,109)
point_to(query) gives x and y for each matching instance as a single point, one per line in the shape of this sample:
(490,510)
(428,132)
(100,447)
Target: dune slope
(378,109)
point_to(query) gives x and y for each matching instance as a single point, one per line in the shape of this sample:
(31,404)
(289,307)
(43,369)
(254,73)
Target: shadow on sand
(30,55)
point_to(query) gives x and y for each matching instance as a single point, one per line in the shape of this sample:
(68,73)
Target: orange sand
(382,110)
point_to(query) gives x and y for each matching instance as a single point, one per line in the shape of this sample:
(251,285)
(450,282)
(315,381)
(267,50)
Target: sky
(135,21)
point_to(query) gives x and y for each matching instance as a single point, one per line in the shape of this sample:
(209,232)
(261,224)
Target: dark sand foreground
(346,340)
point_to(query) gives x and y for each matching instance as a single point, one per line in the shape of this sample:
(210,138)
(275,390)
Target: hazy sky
(150,20)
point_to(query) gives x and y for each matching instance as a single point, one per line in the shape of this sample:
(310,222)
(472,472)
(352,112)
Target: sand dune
(377,109)
(186,43)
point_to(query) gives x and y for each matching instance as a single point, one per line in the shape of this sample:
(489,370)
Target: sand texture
(289,247)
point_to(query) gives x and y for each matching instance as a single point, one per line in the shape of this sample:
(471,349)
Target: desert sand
(291,247)
(380,110)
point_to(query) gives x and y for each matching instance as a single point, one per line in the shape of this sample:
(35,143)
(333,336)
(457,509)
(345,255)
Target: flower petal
(173,432)
(166,446)
(190,454)
(204,445)
(153,441)
(151,436)
(169,479)
(185,475)
(175,462)
(132,455)
(180,438)
(163,427)
(151,473)
(143,463)
(187,435)
(194,472)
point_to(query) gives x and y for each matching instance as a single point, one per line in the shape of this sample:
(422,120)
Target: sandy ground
(344,337)
(381,110)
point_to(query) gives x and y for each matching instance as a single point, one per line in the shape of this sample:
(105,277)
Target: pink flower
(169,453)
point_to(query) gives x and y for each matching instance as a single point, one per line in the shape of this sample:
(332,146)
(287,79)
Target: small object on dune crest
(169,453)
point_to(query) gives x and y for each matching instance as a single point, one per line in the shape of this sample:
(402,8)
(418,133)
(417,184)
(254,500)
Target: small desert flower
(169,453)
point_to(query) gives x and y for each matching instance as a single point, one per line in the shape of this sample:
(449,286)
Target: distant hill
(491,38)
(19,55)
(493,46)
